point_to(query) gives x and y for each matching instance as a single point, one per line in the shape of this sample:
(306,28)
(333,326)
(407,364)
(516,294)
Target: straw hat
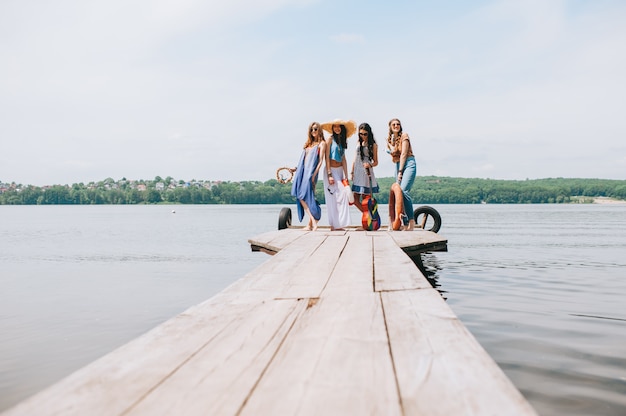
(350,126)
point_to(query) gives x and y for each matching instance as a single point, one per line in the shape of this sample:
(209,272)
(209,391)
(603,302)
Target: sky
(225,90)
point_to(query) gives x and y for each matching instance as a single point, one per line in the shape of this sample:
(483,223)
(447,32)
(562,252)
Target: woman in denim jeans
(399,147)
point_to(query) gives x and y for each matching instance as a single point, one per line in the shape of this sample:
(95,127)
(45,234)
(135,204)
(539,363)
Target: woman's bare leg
(312,223)
(357,201)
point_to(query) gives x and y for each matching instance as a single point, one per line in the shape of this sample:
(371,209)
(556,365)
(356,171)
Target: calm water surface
(541,287)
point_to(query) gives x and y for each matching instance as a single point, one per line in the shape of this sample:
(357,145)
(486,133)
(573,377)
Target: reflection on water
(541,287)
(429,266)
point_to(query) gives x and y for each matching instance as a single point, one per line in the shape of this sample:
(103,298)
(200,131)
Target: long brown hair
(391,132)
(394,145)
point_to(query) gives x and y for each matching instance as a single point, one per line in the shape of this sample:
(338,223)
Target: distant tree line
(426,190)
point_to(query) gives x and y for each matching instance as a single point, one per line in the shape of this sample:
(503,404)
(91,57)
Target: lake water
(542,287)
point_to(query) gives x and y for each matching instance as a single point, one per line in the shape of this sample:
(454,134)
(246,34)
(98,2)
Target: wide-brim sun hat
(350,126)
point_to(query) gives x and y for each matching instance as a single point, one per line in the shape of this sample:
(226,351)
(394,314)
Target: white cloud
(225,90)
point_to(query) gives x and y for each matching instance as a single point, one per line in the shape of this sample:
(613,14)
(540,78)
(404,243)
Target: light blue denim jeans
(408,177)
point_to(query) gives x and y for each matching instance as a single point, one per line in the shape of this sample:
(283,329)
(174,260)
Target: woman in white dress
(337,200)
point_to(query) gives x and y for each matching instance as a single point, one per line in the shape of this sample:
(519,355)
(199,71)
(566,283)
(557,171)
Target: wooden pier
(334,323)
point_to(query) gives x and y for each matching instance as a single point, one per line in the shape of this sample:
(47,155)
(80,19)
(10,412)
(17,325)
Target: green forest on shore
(426,190)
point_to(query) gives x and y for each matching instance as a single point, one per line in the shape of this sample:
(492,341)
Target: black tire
(427,211)
(284,218)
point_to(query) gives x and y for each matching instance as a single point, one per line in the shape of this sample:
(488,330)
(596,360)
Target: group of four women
(331,151)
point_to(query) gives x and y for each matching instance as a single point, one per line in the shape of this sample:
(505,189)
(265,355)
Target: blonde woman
(306,174)
(399,147)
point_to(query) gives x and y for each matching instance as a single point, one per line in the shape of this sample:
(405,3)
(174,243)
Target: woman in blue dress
(305,177)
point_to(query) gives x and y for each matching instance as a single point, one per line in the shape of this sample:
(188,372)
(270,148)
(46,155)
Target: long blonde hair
(310,140)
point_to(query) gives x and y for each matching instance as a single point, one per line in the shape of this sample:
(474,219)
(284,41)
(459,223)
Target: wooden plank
(335,361)
(218,378)
(274,241)
(312,274)
(354,269)
(393,269)
(297,261)
(300,270)
(114,383)
(413,242)
(267,280)
(435,356)
(418,241)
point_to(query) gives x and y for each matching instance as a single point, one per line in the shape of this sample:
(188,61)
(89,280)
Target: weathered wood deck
(335,323)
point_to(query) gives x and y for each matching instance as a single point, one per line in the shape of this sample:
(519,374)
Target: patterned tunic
(361,183)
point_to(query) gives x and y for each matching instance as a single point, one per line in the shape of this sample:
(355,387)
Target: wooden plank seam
(335,265)
(271,360)
(165,378)
(393,362)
